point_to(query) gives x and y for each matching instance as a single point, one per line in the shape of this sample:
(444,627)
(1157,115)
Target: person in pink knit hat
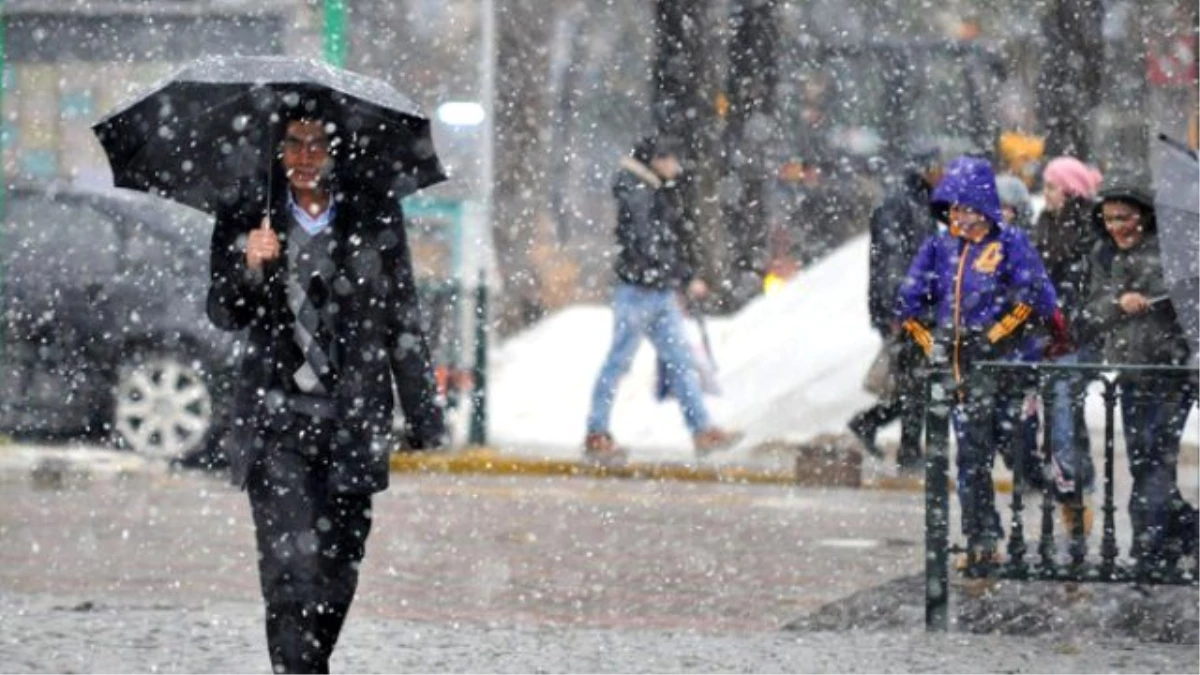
(1065,178)
(1065,234)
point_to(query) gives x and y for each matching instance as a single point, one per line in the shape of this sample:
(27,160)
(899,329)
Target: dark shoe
(865,435)
(715,439)
(600,448)
(911,466)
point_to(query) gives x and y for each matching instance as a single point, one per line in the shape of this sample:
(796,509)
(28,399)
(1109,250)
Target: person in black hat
(898,228)
(1129,309)
(655,259)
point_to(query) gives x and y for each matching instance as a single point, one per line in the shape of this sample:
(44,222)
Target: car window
(163,236)
(58,238)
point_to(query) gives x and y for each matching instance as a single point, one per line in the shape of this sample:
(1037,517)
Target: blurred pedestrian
(986,288)
(898,227)
(1066,233)
(655,259)
(1017,209)
(1015,202)
(324,285)
(1130,309)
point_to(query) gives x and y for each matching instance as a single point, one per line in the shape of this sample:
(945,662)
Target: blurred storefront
(68,62)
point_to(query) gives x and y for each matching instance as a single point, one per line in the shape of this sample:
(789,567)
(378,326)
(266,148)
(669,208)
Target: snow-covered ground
(789,365)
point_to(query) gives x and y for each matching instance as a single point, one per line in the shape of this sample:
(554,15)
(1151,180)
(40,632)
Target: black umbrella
(1177,209)
(203,134)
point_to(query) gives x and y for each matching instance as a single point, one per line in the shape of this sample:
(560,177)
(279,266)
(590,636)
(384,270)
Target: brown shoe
(599,447)
(966,561)
(1067,513)
(715,439)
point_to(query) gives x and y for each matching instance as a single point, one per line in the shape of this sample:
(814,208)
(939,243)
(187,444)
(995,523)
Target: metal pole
(487,98)
(333,38)
(487,95)
(3,173)
(937,504)
(478,432)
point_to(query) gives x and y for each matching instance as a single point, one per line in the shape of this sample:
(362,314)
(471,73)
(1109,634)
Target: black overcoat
(378,331)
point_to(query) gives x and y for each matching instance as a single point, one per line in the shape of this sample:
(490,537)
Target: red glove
(1060,337)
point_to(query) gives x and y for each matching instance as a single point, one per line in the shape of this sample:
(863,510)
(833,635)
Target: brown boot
(715,439)
(599,447)
(1067,513)
(966,561)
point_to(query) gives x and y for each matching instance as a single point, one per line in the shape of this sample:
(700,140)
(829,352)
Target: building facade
(67,63)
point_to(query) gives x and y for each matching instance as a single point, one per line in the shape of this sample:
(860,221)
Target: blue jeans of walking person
(1069,441)
(1154,419)
(646,312)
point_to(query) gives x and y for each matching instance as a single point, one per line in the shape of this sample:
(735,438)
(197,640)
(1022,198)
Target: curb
(489,461)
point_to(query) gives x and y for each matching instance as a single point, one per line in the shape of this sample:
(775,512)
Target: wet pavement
(152,571)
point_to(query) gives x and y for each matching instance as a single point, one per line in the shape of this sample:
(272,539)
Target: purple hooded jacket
(982,294)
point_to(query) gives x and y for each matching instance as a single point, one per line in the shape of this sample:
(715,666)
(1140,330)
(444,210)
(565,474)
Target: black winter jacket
(1066,242)
(898,228)
(656,246)
(1151,338)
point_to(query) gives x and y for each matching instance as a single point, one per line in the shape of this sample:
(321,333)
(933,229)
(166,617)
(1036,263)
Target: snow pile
(790,365)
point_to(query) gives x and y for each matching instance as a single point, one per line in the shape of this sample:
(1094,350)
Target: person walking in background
(985,286)
(898,228)
(1065,234)
(324,285)
(1017,209)
(1015,202)
(655,258)
(1129,309)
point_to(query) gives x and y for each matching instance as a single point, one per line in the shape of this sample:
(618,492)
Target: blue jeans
(1068,431)
(655,314)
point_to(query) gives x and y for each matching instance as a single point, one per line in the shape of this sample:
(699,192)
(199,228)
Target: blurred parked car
(104,328)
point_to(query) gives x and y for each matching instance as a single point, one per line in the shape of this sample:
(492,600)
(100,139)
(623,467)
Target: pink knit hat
(1073,176)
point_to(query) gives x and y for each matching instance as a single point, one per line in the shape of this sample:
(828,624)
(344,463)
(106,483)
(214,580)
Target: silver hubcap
(163,407)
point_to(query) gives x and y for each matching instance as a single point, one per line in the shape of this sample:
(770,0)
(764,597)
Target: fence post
(1016,538)
(1108,544)
(478,431)
(937,503)
(1078,547)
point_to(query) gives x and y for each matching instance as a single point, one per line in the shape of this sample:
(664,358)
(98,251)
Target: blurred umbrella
(1177,208)
(203,133)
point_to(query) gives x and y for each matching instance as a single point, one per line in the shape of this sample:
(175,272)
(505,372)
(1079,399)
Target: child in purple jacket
(984,284)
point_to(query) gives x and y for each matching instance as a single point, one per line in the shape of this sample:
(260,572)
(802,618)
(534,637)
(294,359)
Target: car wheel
(163,406)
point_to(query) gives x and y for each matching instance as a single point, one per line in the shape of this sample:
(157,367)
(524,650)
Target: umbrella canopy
(199,137)
(1177,209)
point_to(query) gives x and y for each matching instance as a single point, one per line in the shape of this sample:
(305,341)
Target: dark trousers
(985,421)
(310,543)
(1154,419)
(908,406)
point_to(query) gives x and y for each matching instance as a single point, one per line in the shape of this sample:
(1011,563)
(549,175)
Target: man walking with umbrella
(303,166)
(324,285)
